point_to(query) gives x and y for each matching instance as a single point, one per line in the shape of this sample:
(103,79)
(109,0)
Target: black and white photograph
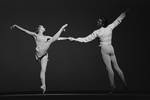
(71,49)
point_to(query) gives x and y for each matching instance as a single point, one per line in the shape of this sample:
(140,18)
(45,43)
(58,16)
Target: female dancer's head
(40,29)
(103,22)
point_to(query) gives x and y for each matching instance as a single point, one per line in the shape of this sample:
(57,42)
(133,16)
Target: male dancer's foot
(126,88)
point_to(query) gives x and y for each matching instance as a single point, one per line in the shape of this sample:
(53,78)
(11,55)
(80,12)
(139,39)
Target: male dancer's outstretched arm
(85,39)
(119,19)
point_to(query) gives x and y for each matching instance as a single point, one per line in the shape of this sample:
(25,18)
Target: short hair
(104,21)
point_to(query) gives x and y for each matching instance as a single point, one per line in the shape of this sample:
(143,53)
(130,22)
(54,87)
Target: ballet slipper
(43,87)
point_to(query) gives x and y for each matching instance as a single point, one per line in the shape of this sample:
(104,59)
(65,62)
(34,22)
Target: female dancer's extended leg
(44,61)
(56,36)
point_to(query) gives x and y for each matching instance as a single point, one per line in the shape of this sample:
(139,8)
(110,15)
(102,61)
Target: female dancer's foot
(43,87)
(112,89)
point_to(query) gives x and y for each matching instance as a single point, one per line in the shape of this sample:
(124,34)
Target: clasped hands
(72,39)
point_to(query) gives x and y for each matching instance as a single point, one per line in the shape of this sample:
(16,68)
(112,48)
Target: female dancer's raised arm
(28,32)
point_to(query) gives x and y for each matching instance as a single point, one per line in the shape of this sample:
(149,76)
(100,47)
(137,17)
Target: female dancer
(105,36)
(42,45)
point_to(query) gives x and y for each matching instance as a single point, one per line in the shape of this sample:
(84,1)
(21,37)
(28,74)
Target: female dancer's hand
(13,26)
(71,39)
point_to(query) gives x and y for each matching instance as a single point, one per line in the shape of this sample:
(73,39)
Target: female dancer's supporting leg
(44,61)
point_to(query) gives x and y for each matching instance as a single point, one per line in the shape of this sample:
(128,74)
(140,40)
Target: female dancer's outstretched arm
(63,38)
(28,32)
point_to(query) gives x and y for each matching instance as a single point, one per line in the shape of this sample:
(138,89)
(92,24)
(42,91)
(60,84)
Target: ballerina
(104,33)
(43,43)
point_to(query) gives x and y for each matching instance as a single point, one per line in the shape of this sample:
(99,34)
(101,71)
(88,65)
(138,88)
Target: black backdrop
(72,66)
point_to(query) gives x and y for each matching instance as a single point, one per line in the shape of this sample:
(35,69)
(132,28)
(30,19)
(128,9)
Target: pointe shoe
(43,88)
(112,90)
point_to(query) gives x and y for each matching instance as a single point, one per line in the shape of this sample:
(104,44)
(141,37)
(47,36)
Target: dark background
(72,66)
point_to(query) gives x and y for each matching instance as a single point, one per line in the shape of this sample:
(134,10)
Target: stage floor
(117,95)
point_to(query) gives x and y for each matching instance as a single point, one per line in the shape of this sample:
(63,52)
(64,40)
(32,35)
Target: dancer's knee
(43,72)
(120,73)
(110,71)
(118,70)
